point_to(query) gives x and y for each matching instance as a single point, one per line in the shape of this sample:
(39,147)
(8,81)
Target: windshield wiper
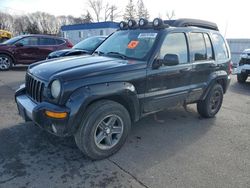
(98,52)
(117,54)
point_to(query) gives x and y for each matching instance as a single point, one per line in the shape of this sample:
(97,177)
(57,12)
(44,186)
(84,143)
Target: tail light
(230,67)
(69,44)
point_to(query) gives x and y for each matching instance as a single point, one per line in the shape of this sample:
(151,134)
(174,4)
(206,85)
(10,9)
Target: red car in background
(27,49)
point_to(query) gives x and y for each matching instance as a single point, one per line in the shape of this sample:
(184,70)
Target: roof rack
(185,22)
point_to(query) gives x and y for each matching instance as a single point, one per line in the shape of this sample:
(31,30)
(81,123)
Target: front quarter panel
(85,96)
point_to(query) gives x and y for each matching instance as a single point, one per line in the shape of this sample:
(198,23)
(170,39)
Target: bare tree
(170,15)
(114,13)
(130,11)
(96,6)
(142,11)
(6,21)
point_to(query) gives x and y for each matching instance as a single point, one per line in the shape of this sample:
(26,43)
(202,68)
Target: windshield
(12,40)
(133,44)
(89,44)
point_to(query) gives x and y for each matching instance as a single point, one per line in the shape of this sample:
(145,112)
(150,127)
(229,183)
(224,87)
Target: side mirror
(171,59)
(18,44)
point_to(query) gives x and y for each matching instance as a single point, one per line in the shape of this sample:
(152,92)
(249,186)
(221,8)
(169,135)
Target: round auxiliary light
(131,23)
(143,22)
(122,25)
(157,22)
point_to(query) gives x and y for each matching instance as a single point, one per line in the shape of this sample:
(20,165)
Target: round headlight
(55,88)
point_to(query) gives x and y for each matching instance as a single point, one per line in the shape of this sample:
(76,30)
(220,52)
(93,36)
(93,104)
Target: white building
(76,33)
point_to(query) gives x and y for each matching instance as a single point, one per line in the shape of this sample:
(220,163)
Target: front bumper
(32,111)
(242,69)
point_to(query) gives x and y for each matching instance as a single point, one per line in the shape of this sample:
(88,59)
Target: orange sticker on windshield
(133,44)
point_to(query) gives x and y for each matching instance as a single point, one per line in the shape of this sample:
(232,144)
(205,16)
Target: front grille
(244,61)
(34,88)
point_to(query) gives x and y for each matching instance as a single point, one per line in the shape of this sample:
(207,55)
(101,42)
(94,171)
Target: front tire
(209,107)
(6,62)
(241,78)
(104,129)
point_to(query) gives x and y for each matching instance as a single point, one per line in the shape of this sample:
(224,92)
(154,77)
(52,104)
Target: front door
(169,85)
(28,51)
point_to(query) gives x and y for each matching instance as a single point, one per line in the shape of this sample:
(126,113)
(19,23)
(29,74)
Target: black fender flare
(122,92)
(216,77)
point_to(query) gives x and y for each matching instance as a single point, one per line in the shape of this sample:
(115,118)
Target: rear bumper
(32,111)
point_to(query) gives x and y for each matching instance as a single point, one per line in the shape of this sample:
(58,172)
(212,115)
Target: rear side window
(59,41)
(47,41)
(209,48)
(198,46)
(220,47)
(175,43)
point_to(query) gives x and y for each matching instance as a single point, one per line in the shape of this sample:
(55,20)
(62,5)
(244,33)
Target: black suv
(140,69)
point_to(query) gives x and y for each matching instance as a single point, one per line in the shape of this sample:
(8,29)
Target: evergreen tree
(130,11)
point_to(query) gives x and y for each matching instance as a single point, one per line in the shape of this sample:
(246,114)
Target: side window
(198,46)
(210,54)
(59,41)
(220,47)
(29,41)
(175,43)
(47,41)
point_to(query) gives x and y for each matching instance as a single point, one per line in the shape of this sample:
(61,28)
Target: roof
(97,25)
(185,22)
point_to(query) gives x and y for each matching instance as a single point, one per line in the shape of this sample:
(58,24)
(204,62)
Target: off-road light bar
(131,23)
(143,22)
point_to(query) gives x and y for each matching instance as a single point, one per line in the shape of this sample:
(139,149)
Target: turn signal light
(57,115)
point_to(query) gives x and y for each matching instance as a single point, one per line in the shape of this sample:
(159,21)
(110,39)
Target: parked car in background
(5,35)
(86,46)
(243,67)
(27,49)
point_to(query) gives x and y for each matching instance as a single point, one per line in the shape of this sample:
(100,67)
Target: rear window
(220,47)
(47,41)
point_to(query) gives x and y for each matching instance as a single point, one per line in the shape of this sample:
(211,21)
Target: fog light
(57,115)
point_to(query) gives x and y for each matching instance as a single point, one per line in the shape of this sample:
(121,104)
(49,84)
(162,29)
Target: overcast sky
(231,16)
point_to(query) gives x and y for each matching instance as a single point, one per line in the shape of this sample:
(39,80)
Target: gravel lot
(185,151)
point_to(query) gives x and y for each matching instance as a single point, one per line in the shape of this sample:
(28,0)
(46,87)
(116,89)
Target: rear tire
(6,62)
(104,129)
(209,107)
(241,78)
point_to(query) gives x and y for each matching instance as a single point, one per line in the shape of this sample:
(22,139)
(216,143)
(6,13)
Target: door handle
(185,70)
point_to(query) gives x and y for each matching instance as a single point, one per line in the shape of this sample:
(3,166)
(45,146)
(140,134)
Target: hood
(71,68)
(67,52)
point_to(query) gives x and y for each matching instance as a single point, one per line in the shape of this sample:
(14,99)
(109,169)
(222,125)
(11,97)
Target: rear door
(169,85)
(46,45)
(203,60)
